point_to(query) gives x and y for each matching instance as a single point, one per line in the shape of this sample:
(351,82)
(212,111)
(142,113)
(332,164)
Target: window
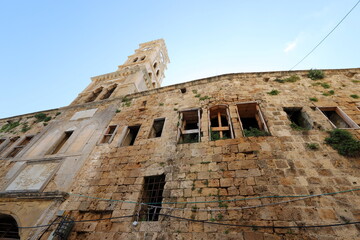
(157,128)
(251,120)
(152,196)
(142,58)
(189,126)
(337,118)
(8,227)
(183,90)
(94,95)
(299,119)
(109,91)
(155,65)
(135,59)
(157,73)
(130,135)
(9,143)
(109,134)
(20,146)
(220,124)
(150,75)
(61,142)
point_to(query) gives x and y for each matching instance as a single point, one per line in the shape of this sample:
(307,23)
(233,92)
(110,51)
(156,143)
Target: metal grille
(8,228)
(152,196)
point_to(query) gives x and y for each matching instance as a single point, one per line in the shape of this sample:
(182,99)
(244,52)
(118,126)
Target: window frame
(125,133)
(258,110)
(106,133)
(342,114)
(17,146)
(182,131)
(7,145)
(228,119)
(152,127)
(52,149)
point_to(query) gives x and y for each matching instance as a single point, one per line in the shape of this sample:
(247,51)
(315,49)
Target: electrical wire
(326,36)
(260,226)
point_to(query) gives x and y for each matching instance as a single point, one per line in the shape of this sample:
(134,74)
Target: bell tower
(143,70)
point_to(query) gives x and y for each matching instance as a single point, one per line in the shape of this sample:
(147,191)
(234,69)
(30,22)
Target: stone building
(235,156)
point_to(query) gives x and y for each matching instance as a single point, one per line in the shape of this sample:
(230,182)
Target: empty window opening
(183,90)
(152,197)
(157,128)
(189,126)
(109,92)
(338,118)
(109,134)
(8,227)
(155,65)
(9,143)
(94,95)
(130,136)
(20,146)
(298,118)
(65,137)
(252,120)
(157,73)
(150,75)
(135,59)
(220,124)
(154,85)
(142,58)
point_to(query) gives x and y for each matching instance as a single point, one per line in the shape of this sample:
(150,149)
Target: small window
(337,118)
(298,118)
(130,135)
(252,120)
(150,75)
(183,90)
(135,59)
(20,146)
(142,58)
(109,134)
(9,143)
(109,91)
(157,128)
(220,124)
(157,73)
(189,126)
(155,65)
(152,198)
(65,137)
(94,95)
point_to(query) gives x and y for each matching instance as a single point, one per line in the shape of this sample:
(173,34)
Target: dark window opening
(189,127)
(298,117)
(338,118)
(11,142)
(135,59)
(150,75)
(183,90)
(94,95)
(109,134)
(130,135)
(152,197)
(61,142)
(251,119)
(220,126)
(157,128)
(155,65)
(157,73)
(142,58)
(109,92)
(20,147)
(8,227)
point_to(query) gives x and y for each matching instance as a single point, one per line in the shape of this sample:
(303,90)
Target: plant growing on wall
(315,74)
(255,132)
(344,143)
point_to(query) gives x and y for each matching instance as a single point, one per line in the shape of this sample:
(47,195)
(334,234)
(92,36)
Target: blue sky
(50,49)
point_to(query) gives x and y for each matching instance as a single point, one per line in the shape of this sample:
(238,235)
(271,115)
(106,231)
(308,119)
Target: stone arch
(109,91)
(94,95)
(8,227)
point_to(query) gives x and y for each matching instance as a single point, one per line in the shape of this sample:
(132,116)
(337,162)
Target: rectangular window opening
(20,147)
(189,126)
(338,118)
(61,142)
(157,128)
(298,118)
(9,144)
(109,134)
(220,124)
(183,90)
(252,120)
(152,197)
(130,136)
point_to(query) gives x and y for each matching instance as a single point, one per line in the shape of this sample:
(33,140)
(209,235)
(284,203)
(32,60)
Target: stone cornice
(113,75)
(13,196)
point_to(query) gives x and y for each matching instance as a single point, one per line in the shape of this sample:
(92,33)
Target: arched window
(220,123)
(110,90)
(135,59)
(8,227)
(94,95)
(157,73)
(150,75)
(155,65)
(142,58)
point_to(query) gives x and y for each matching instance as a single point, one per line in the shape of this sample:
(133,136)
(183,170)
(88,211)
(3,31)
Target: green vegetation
(329,93)
(194,91)
(273,92)
(356,81)
(315,74)
(292,78)
(205,162)
(25,127)
(189,138)
(344,143)
(118,110)
(313,99)
(198,95)
(297,127)
(175,109)
(204,98)
(312,146)
(42,117)
(161,104)
(325,85)
(58,113)
(255,132)
(216,136)
(9,126)
(354,96)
